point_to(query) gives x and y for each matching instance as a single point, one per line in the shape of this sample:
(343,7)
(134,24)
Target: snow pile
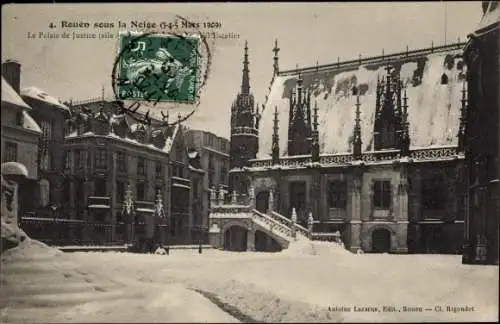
(11,235)
(305,246)
(28,249)
(433,108)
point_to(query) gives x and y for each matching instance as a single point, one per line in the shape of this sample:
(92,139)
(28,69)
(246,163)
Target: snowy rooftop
(35,93)
(11,96)
(433,108)
(490,17)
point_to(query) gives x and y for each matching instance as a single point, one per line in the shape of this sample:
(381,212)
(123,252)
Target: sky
(307,33)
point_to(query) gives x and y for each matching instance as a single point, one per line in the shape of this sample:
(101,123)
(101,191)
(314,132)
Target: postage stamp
(158,67)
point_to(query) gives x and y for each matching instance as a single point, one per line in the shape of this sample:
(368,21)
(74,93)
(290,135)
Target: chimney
(11,71)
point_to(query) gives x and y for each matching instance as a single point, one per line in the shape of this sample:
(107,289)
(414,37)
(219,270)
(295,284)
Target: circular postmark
(160,73)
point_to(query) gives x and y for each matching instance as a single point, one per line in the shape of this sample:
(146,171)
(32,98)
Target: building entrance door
(381,241)
(262,201)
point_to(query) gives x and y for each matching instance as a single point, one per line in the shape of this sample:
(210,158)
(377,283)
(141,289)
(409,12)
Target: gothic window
(100,187)
(432,193)
(10,152)
(382,194)
(388,136)
(158,169)
(337,194)
(141,191)
(80,159)
(444,79)
(121,162)
(67,159)
(141,168)
(100,159)
(44,187)
(46,127)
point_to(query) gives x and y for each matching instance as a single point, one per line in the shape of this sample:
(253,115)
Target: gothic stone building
(368,147)
(481,139)
(111,157)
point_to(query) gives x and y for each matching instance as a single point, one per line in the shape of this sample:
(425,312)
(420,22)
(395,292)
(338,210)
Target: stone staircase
(240,211)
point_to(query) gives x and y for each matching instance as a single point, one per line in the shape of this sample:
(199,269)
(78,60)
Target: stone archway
(266,243)
(381,240)
(235,238)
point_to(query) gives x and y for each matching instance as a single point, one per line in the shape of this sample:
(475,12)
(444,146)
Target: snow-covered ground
(308,282)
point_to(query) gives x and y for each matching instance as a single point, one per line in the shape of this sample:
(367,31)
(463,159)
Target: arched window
(444,79)
(388,136)
(44,193)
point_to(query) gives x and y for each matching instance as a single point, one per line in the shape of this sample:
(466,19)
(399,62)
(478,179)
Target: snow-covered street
(312,283)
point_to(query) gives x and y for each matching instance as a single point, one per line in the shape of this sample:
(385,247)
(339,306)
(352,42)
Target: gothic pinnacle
(245,82)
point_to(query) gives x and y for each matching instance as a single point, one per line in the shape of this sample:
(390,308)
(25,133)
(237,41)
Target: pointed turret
(299,129)
(388,126)
(245,80)
(276,143)
(356,141)
(405,134)
(463,120)
(315,136)
(276,58)
(244,120)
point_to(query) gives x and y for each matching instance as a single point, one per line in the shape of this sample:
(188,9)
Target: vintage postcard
(250,162)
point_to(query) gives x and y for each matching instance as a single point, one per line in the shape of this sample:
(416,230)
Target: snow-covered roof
(433,108)
(30,123)
(165,149)
(11,96)
(35,93)
(491,16)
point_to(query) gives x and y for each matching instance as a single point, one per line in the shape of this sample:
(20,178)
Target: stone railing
(434,153)
(272,224)
(245,130)
(336,159)
(385,155)
(290,224)
(221,201)
(347,158)
(408,54)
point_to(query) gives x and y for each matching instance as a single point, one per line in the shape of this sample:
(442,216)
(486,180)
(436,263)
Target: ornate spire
(405,143)
(315,135)
(276,144)
(463,119)
(245,82)
(276,58)
(356,143)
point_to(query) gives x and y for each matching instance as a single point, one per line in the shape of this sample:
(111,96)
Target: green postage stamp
(158,67)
